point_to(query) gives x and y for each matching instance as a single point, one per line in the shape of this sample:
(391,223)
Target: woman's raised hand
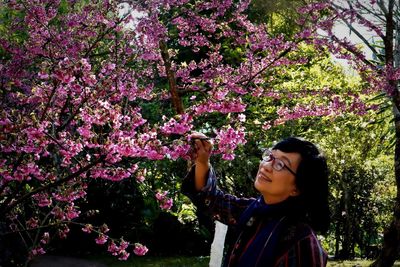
(202,146)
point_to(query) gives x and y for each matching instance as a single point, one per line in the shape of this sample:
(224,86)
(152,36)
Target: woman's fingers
(205,144)
(202,146)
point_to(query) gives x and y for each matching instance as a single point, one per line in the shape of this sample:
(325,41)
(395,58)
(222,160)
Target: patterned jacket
(264,235)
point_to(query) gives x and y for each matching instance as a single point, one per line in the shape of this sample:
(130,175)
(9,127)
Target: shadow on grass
(135,261)
(145,261)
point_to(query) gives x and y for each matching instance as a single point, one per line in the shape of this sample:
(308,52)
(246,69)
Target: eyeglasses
(277,164)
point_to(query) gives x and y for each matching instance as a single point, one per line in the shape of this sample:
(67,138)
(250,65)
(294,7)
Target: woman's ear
(295,192)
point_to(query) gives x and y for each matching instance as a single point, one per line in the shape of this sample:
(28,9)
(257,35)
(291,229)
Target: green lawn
(135,261)
(358,263)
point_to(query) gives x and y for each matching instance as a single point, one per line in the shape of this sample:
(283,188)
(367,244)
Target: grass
(135,261)
(355,263)
(358,263)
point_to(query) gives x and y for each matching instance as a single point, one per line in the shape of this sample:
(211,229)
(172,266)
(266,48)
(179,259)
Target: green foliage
(361,183)
(279,15)
(7,19)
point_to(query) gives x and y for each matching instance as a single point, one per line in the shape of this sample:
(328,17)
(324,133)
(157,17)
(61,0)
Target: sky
(341,30)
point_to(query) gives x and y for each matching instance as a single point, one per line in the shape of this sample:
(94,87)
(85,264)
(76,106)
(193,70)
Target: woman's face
(277,185)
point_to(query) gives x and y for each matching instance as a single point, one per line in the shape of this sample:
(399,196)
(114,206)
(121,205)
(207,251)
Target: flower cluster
(164,201)
(140,249)
(180,126)
(118,248)
(228,139)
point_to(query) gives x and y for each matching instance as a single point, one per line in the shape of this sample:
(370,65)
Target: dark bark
(391,239)
(176,99)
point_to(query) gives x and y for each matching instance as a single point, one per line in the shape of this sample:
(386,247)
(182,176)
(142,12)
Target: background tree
(381,19)
(361,183)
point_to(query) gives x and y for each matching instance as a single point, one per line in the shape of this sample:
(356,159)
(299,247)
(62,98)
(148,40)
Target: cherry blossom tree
(76,79)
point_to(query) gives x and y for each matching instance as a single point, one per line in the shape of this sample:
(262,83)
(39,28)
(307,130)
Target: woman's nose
(266,165)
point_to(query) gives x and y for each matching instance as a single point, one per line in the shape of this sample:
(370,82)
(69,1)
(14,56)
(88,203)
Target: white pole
(217,246)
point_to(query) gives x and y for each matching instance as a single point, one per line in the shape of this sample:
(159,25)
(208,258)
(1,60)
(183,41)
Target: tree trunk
(176,100)
(390,251)
(348,244)
(391,239)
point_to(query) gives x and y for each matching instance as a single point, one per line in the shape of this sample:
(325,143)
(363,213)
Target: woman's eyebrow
(288,161)
(283,157)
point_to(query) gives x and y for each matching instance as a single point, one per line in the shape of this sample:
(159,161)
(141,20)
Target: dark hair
(311,181)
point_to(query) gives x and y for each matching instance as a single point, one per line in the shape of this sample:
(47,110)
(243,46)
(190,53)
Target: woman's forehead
(292,158)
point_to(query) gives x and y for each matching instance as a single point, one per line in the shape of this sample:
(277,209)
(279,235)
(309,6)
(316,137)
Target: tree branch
(356,53)
(381,5)
(251,78)
(6,209)
(176,100)
(365,41)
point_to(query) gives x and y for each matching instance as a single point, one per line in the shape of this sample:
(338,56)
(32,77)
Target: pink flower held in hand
(140,249)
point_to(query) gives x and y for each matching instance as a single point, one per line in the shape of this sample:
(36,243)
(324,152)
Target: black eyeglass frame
(267,156)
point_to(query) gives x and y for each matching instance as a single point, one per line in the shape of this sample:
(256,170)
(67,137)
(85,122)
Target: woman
(277,228)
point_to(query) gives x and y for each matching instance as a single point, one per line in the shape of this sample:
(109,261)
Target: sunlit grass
(355,263)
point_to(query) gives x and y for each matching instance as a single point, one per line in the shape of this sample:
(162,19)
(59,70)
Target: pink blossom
(161,195)
(32,223)
(64,77)
(104,228)
(141,175)
(43,75)
(166,204)
(242,117)
(178,151)
(58,213)
(63,232)
(88,228)
(228,139)
(85,132)
(123,255)
(123,244)
(180,126)
(37,251)
(140,178)
(43,199)
(71,212)
(45,238)
(113,248)
(266,125)
(101,239)
(140,250)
